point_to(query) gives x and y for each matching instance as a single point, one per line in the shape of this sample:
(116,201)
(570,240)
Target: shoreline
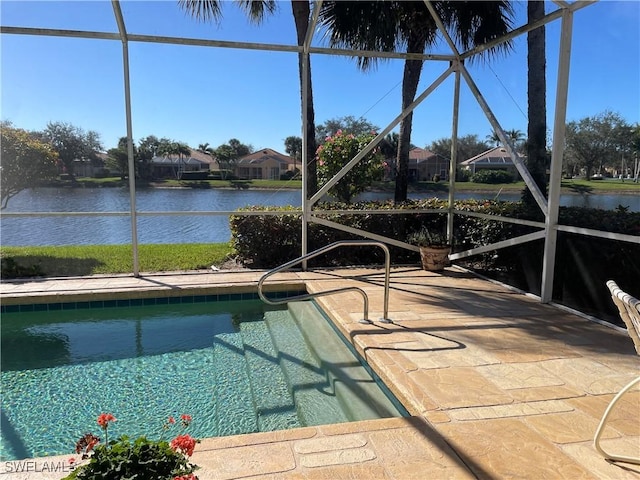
(459,189)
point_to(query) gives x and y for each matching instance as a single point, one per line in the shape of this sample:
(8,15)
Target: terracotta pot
(435,258)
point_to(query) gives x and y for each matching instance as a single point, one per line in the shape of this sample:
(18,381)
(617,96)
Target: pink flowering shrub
(141,458)
(336,152)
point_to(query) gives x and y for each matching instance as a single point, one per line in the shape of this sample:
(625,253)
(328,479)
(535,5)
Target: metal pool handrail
(315,253)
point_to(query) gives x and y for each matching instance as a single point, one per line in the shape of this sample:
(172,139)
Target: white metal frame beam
(130,160)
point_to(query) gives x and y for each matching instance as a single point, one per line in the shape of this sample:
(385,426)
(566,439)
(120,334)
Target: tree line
(604,141)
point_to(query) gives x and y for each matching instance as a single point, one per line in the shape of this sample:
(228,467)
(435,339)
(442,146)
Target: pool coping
(141,289)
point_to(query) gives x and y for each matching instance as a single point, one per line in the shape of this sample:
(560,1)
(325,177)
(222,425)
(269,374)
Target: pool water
(235,367)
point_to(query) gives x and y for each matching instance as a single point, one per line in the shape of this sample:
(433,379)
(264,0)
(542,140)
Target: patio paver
(499,385)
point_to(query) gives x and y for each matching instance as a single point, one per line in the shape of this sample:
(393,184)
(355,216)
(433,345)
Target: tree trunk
(301,14)
(410,80)
(536,95)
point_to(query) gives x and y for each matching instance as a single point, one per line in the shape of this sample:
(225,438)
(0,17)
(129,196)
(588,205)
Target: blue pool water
(235,367)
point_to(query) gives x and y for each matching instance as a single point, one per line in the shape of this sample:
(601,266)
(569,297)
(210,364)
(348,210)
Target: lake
(194,228)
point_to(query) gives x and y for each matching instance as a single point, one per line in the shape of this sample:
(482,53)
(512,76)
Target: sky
(208,95)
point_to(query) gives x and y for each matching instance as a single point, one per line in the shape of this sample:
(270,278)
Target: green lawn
(83,260)
(600,186)
(568,186)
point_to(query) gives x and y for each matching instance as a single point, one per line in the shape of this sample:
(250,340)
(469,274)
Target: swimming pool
(234,366)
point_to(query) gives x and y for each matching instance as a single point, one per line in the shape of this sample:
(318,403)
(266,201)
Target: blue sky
(197,95)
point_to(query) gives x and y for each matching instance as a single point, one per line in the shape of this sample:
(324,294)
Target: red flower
(72,461)
(86,444)
(92,443)
(185,418)
(190,476)
(104,419)
(171,420)
(184,444)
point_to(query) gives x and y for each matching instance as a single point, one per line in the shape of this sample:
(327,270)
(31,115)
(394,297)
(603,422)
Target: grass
(600,186)
(568,186)
(80,260)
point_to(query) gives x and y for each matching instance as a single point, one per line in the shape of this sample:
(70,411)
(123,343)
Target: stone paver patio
(498,385)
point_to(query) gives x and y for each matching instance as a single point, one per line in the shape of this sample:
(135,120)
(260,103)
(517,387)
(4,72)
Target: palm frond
(363,25)
(475,23)
(202,10)
(257,9)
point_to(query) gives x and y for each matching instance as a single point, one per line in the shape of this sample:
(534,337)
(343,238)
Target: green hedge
(492,176)
(583,264)
(269,241)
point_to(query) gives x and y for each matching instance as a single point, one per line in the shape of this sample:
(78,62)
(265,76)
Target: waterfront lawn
(574,185)
(80,260)
(580,185)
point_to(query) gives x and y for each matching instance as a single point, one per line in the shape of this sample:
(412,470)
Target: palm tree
(536,97)
(204,147)
(391,26)
(515,135)
(493,137)
(183,151)
(209,10)
(517,139)
(171,149)
(293,147)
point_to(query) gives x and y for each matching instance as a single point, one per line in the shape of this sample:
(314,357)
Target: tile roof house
(424,165)
(264,164)
(495,158)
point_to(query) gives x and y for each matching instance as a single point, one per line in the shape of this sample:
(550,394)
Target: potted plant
(434,248)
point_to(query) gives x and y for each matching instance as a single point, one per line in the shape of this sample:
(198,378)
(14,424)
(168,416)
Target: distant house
(264,164)
(90,167)
(496,158)
(172,166)
(424,165)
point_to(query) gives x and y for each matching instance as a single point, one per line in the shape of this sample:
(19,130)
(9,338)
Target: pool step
(232,394)
(273,402)
(359,395)
(303,372)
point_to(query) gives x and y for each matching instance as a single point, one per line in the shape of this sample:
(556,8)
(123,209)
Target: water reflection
(50,339)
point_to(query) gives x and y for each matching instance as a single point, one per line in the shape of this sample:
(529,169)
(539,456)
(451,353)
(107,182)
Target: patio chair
(629,308)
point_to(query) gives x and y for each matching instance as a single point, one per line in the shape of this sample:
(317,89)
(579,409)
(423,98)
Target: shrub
(462,175)
(336,152)
(492,176)
(283,233)
(221,175)
(199,175)
(101,173)
(250,235)
(10,268)
(289,174)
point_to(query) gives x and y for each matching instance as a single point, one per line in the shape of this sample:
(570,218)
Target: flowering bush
(336,152)
(141,458)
